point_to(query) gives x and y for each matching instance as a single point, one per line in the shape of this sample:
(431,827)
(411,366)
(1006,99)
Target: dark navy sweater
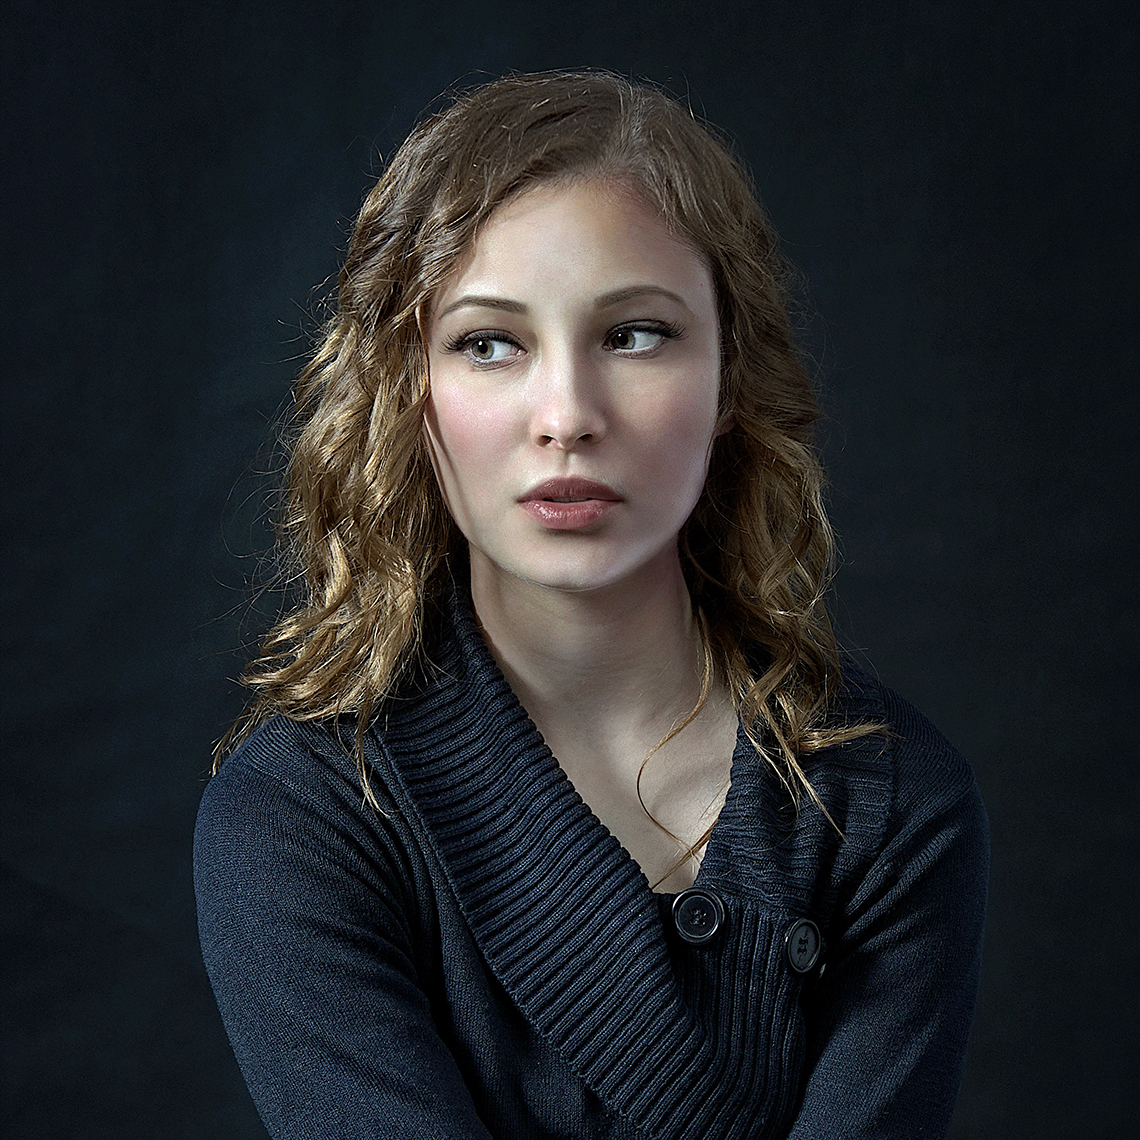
(484,959)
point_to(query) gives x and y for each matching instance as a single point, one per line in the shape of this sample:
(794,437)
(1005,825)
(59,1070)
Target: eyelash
(460,342)
(669,330)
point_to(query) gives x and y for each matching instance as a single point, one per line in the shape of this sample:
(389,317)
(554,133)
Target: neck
(608,676)
(623,659)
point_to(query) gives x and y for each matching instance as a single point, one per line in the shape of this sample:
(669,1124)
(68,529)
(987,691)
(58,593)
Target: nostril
(565,439)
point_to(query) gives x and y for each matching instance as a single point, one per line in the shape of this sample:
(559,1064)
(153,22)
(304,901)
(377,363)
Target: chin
(579,572)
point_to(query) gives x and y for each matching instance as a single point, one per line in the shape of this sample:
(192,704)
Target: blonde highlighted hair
(364,525)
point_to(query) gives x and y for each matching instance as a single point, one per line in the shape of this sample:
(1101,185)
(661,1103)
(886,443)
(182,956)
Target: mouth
(571,490)
(569,504)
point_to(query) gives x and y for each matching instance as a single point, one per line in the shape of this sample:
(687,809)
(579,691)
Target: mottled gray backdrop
(957,183)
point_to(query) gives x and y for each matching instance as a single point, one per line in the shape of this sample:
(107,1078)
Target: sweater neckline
(562,913)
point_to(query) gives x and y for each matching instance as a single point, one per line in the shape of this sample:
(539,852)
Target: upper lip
(571,487)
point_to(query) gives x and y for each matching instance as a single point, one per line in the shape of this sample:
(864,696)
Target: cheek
(682,432)
(463,428)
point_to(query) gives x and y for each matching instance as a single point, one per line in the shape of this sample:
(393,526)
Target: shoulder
(293,786)
(908,795)
(281,759)
(927,772)
(893,800)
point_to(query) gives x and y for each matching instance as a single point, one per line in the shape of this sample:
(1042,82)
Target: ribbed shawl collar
(562,914)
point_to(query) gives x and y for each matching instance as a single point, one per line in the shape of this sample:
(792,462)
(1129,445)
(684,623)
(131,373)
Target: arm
(303,906)
(889,1020)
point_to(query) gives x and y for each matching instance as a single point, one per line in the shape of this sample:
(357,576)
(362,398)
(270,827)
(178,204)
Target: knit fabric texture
(483,958)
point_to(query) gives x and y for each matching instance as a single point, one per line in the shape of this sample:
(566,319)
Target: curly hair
(364,524)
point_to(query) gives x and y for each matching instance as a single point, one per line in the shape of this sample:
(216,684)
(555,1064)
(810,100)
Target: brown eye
(483,349)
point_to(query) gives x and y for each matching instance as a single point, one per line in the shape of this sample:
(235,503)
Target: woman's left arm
(889,1019)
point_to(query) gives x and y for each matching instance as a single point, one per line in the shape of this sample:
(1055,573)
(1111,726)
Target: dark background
(956,182)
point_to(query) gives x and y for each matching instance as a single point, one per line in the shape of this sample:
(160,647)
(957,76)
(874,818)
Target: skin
(579,337)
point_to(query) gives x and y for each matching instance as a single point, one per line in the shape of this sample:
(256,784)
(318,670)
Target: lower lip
(567,516)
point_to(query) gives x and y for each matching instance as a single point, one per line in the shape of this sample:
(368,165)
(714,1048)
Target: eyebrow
(605,301)
(478,301)
(608,300)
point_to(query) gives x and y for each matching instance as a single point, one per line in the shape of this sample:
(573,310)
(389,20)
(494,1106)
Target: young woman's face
(575,364)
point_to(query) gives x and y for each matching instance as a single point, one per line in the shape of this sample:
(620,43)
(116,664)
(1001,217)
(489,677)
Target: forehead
(577,238)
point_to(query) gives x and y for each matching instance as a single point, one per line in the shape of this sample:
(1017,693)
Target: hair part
(364,526)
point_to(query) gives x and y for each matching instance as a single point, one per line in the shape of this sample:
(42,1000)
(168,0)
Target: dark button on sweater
(802,944)
(698,915)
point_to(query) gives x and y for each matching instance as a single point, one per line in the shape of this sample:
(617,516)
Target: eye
(483,348)
(635,340)
(489,349)
(638,340)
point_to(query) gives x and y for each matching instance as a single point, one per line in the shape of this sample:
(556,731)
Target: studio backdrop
(955,183)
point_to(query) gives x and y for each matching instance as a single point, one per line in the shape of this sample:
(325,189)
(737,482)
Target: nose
(568,403)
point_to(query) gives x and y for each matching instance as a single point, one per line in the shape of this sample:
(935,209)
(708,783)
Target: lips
(569,503)
(571,489)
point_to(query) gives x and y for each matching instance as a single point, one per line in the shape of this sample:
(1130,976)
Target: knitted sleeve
(304,929)
(889,1020)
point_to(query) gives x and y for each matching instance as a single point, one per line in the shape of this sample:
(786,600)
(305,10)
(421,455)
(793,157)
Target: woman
(561,814)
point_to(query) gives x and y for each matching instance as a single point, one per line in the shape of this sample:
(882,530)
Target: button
(698,915)
(803,944)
